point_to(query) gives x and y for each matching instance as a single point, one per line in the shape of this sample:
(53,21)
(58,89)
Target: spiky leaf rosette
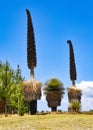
(54,92)
(31,48)
(54,86)
(73,75)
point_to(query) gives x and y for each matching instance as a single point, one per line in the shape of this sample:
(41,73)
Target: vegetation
(73,75)
(31,60)
(76,106)
(6,83)
(31,48)
(54,92)
(47,122)
(11,91)
(74,94)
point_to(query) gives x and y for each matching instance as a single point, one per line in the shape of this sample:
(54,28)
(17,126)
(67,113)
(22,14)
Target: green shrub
(76,106)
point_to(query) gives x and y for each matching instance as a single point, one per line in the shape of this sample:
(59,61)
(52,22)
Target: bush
(76,106)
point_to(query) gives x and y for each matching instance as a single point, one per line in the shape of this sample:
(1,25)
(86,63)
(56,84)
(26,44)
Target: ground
(47,122)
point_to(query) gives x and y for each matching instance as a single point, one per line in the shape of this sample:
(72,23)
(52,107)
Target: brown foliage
(32,90)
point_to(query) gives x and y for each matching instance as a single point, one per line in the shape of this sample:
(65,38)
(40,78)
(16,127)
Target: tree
(54,92)
(73,75)
(19,91)
(11,89)
(74,93)
(6,82)
(31,57)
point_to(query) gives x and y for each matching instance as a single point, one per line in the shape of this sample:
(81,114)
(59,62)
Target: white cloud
(87,94)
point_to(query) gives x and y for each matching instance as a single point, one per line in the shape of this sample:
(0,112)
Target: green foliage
(6,81)
(11,90)
(76,106)
(21,109)
(54,86)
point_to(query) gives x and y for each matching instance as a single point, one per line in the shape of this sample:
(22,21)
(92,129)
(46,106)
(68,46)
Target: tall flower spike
(31,48)
(73,75)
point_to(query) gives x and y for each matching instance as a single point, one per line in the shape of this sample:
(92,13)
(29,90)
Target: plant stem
(32,73)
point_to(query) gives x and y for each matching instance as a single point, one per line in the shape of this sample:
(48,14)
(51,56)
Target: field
(47,122)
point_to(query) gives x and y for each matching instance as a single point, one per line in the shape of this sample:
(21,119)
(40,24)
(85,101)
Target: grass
(47,122)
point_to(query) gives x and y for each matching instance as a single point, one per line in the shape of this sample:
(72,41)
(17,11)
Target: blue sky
(54,21)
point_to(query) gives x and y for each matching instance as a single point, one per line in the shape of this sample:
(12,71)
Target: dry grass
(47,122)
